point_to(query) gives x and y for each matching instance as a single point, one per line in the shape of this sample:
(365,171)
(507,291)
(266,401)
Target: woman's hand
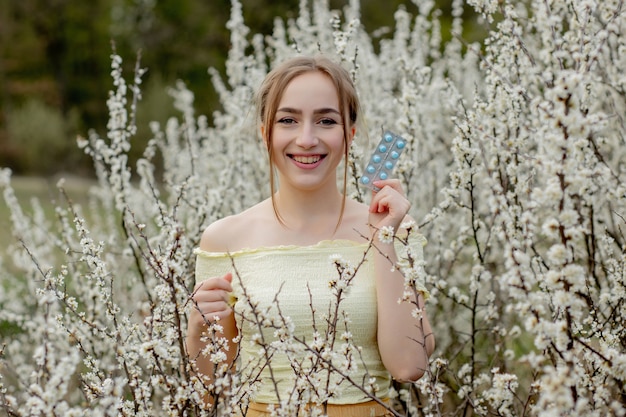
(210,299)
(389,206)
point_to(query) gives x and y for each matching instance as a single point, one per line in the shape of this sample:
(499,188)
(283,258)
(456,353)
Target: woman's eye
(286,121)
(328,122)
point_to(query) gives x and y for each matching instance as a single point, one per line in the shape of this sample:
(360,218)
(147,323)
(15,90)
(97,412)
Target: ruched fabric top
(284,299)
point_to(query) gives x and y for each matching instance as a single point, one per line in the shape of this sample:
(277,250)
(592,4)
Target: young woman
(279,259)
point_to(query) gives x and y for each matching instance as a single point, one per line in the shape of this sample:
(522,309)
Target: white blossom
(386,234)
(514,169)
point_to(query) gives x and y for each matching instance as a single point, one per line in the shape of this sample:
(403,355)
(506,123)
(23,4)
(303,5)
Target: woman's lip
(307,161)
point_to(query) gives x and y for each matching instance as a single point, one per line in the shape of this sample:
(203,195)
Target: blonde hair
(270,93)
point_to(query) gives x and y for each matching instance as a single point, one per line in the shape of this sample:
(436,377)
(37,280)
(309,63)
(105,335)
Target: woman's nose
(307,137)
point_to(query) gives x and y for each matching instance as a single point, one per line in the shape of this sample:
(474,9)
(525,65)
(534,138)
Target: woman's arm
(210,301)
(405,339)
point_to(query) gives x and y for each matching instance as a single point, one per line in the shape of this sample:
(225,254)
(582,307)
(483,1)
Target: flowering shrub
(515,165)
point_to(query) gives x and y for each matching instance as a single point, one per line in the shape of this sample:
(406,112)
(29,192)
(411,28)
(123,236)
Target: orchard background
(515,167)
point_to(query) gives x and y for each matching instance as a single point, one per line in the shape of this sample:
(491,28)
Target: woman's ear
(351,135)
(262,131)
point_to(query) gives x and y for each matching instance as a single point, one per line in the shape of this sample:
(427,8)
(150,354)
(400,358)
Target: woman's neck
(308,211)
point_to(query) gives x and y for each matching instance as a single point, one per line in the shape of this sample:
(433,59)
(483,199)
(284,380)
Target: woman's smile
(307,161)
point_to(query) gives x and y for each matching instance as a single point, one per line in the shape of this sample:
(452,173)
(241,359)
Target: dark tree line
(55,64)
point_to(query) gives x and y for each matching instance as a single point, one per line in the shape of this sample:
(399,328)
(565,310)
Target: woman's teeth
(306,159)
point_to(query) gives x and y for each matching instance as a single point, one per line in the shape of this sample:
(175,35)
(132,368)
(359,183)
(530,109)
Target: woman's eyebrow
(324,110)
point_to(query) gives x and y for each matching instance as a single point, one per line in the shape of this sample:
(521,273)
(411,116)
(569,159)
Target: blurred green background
(55,65)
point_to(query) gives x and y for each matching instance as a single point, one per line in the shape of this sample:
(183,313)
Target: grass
(45,189)
(46,192)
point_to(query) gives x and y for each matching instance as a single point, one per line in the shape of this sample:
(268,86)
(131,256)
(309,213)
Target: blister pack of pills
(383,160)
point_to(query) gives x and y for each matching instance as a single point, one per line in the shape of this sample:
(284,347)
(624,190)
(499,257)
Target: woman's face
(308,138)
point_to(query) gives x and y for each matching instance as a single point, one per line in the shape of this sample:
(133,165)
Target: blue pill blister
(383,160)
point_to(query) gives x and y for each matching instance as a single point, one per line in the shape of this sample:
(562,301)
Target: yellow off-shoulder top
(285,300)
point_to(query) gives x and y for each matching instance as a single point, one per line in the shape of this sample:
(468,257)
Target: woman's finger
(393,183)
(215,283)
(209,308)
(211,296)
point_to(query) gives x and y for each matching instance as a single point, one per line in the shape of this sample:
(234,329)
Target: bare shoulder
(215,236)
(355,219)
(356,210)
(231,233)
